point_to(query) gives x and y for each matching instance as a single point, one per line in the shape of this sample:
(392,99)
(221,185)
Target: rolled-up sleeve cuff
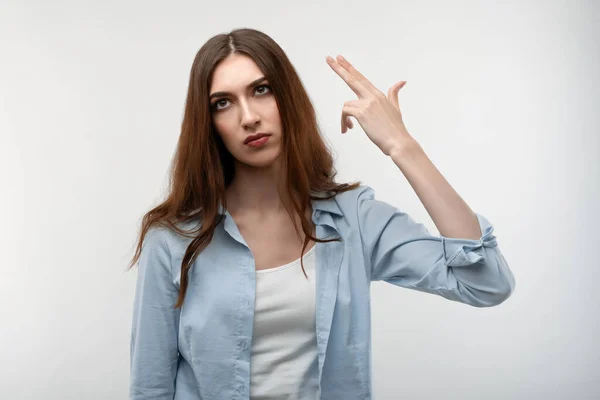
(464,252)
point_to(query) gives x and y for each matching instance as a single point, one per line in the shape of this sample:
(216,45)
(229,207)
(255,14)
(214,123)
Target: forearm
(450,213)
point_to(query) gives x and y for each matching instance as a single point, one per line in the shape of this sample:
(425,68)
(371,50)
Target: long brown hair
(202,168)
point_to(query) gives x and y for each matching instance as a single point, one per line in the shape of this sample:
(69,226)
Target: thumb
(393,93)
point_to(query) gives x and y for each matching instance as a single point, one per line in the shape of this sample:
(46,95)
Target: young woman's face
(248,108)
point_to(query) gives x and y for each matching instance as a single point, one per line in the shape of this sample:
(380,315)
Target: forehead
(234,73)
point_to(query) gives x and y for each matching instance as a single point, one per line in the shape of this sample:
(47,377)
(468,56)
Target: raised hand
(378,115)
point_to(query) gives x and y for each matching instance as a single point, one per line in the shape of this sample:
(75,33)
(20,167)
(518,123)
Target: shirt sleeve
(154,350)
(404,253)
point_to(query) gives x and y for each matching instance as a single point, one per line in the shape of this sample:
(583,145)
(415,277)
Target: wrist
(404,148)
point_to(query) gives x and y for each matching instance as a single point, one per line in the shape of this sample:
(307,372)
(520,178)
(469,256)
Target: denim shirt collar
(318,205)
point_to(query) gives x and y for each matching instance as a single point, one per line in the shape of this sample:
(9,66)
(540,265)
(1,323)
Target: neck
(255,191)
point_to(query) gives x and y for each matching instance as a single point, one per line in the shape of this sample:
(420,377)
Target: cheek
(274,112)
(224,128)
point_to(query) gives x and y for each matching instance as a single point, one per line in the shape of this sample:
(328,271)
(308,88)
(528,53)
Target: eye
(215,105)
(264,86)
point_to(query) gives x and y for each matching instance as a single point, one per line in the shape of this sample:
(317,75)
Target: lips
(254,137)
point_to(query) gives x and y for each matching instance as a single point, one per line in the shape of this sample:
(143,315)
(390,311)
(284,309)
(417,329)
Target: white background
(503,98)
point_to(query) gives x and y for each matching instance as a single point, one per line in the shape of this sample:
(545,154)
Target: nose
(250,118)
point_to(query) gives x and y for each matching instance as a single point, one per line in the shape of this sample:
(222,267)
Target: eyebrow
(254,82)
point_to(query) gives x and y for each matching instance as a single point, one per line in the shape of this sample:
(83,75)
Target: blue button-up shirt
(203,350)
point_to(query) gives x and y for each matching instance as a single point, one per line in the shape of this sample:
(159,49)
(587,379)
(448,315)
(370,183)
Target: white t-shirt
(283,364)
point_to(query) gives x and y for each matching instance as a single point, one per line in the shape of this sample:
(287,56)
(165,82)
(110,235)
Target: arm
(448,211)
(154,352)
(403,253)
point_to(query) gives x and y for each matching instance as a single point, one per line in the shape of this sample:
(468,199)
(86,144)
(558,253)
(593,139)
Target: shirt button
(244,345)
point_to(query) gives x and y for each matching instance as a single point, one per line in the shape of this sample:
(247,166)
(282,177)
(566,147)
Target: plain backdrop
(503,98)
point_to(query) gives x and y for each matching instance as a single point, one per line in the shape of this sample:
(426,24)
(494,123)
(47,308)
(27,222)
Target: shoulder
(361,200)
(363,212)
(162,252)
(161,238)
(348,200)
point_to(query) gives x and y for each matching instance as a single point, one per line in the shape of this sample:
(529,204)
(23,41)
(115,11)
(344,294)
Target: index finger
(356,82)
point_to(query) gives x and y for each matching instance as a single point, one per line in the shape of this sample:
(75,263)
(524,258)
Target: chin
(263,159)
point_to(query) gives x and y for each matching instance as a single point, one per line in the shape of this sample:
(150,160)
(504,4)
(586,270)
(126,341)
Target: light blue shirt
(203,350)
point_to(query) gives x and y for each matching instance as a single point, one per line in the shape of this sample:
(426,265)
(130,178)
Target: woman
(252,203)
